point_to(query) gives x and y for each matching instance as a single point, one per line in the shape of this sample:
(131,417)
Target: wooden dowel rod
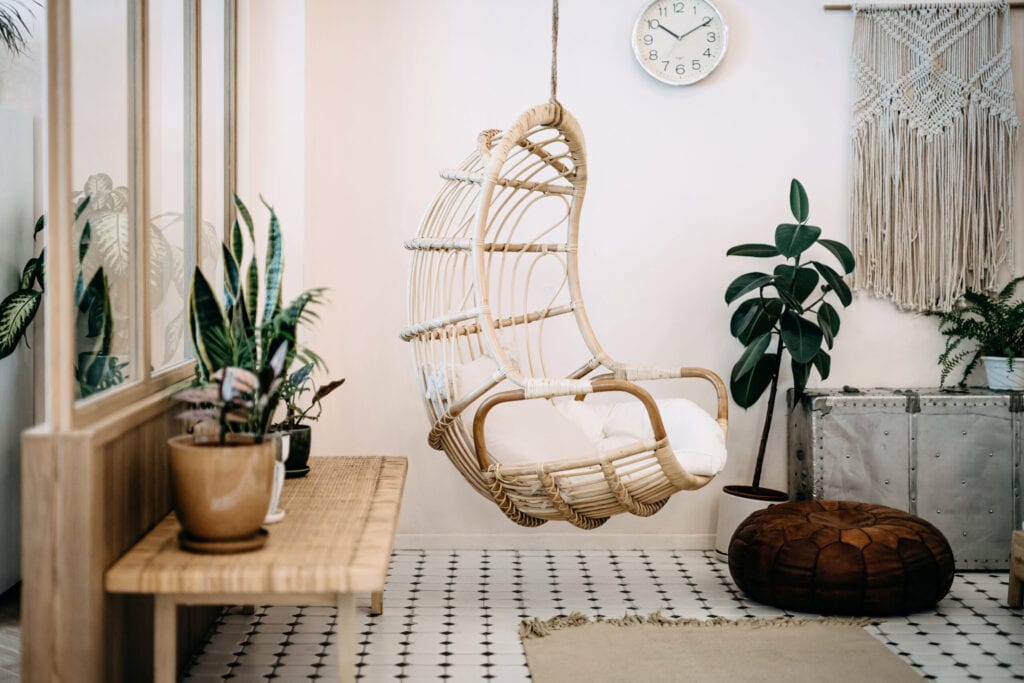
(847,8)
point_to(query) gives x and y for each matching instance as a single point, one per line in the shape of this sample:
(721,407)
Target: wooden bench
(334,541)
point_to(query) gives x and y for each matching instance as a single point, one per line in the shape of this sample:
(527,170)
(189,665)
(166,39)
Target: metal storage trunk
(952,458)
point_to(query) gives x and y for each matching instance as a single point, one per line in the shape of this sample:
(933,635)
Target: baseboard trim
(541,541)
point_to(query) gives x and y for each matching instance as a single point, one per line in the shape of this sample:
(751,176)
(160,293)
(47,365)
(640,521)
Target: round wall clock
(680,42)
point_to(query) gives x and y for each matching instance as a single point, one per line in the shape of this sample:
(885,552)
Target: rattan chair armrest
(636,373)
(597,385)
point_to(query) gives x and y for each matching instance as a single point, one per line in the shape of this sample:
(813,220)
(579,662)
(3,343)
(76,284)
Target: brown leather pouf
(832,557)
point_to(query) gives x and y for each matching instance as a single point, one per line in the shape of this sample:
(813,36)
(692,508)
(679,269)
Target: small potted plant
(222,482)
(299,434)
(787,307)
(241,349)
(995,325)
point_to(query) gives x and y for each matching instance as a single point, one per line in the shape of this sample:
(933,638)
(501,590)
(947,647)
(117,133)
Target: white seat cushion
(540,430)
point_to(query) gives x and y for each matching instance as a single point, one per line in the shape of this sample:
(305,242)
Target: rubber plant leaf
(798,201)
(755,250)
(16,313)
(748,388)
(836,282)
(793,240)
(823,363)
(752,354)
(828,320)
(746,283)
(800,282)
(754,317)
(841,252)
(802,337)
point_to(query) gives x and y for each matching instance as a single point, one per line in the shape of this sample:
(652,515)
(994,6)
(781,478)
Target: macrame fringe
(935,129)
(537,628)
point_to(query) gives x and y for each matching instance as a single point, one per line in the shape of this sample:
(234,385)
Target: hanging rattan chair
(494,272)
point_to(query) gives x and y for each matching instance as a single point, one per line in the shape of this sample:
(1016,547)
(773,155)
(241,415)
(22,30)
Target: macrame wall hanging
(934,130)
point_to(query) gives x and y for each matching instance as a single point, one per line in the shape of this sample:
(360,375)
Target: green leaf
(29,274)
(252,291)
(800,282)
(41,271)
(82,205)
(16,313)
(823,362)
(210,331)
(753,353)
(243,211)
(802,337)
(94,304)
(755,250)
(275,267)
(745,283)
(793,240)
(798,201)
(841,252)
(835,281)
(746,389)
(40,224)
(754,317)
(828,320)
(801,373)
(79,287)
(237,245)
(789,299)
(231,279)
(84,241)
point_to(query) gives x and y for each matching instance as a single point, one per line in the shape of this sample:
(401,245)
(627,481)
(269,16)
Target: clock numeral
(712,37)
(652,55)
(695,65)
(648,39)
(665,68)
(653,24)
(663,11)
(707,52)
(680,69)
(677,7)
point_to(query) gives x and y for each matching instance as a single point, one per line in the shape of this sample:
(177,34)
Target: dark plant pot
(299,440)
(735,504)
(221,492)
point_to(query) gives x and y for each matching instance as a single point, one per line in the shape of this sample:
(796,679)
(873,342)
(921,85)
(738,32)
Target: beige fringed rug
(656,648)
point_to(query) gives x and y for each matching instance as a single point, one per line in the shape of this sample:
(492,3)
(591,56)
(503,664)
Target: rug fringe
(538,628)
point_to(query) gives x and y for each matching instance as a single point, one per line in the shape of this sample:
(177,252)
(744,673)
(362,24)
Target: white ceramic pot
(997,371)
(735,504)
(274,512)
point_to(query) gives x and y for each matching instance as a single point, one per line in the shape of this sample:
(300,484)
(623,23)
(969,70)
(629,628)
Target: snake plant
(784,309)
(240,333)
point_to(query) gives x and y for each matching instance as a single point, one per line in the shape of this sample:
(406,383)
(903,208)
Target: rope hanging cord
(554,50)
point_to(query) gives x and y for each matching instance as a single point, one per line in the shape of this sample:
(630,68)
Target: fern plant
(995,325)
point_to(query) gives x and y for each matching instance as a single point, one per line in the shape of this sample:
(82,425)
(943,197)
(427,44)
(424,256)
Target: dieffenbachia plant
(788,307)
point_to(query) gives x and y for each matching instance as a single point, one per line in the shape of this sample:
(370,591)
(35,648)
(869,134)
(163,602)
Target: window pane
(105,319)
(171,235)
(212,127)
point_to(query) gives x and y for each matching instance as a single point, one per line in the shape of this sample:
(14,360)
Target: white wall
(394,91)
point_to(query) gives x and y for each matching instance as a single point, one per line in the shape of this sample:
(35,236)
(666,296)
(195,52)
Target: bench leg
(1014,595)
(377,603)
(165,639)
(347,640)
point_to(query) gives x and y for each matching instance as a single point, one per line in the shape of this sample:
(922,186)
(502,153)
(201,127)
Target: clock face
(680,42)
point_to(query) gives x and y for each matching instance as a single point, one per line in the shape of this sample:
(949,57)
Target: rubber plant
(787,308)
(241,333)
(994,323)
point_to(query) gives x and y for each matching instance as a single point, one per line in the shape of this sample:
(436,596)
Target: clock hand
(700,25)
(671,32)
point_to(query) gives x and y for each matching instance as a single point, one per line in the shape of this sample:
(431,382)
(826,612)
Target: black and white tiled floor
(454,615)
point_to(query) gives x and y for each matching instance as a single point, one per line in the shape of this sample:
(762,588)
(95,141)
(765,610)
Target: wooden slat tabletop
(336,537)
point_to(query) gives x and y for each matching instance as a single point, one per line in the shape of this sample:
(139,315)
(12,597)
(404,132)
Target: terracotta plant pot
(221,492)
(298,450)
(736,504)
